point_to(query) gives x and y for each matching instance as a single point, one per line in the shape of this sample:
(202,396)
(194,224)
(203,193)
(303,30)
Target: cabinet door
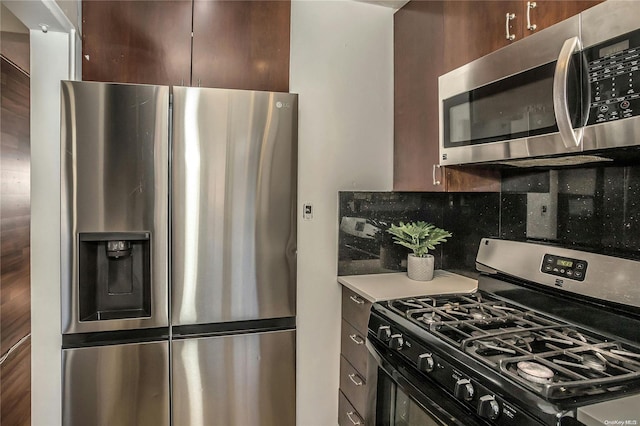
(544,13)
(241,44)
(418,45)
(145,42)
(473,29)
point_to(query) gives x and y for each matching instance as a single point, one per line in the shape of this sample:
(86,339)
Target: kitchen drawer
(347,415)
(353,347)
(354,386)
(355,310)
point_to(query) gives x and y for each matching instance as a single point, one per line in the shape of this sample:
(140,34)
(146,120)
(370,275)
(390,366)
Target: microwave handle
(570,138)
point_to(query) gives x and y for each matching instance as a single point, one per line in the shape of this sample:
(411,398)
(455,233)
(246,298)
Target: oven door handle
(570,138)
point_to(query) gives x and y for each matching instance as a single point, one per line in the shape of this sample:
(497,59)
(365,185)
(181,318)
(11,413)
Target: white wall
(49,65)
(342,68)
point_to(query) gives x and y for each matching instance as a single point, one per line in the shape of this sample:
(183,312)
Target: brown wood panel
(418,53)
(15,295)
(549,12)
(241,44)
(472,179)
(15,47)
(137,41)
(473,29)
(15,387)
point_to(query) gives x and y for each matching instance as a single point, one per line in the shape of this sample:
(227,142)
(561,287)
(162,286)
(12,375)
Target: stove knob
(425,362)
(464,390)
(488,407)
(384,333)
(396,341)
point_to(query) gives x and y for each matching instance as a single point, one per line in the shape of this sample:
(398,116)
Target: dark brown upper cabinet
(145,42)
(209,43)
(473,29)
(419,51)
(241,44)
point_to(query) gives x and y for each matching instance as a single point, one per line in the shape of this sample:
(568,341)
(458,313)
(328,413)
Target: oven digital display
(563,262)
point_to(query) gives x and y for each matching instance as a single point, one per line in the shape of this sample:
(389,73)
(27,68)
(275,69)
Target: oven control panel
(565,267)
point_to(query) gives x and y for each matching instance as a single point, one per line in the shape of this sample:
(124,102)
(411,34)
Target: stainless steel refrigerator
(179,271)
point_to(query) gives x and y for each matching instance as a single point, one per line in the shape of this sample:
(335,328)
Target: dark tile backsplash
(595,209)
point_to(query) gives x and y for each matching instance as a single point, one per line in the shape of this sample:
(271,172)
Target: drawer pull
(358,382)
(356,339)
(356,300)
(351,414)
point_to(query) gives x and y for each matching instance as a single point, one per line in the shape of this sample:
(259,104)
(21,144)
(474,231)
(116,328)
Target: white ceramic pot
(420,268)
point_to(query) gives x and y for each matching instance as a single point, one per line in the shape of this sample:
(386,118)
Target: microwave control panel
(614,77)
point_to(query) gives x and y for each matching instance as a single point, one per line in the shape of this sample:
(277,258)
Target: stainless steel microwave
(571,89)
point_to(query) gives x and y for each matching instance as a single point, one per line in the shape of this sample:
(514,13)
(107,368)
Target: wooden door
(418,44)
(146,42)
(544,13)
(473,29)
(241,44)
(15,215)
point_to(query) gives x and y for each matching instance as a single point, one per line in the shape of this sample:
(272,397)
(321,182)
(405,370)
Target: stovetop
(550,331)
(546,355)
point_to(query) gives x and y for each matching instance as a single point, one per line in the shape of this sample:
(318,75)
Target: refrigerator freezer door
(115,181)
(116,385)
(233,205)
(243,379)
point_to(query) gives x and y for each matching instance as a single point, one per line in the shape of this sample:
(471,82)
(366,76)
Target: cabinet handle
(436,182)
(355,422)
(530,5)
(358,382)
(356,300)
(510,17)
(356,339)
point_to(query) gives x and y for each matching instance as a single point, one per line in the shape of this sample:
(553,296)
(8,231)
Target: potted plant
(420,237)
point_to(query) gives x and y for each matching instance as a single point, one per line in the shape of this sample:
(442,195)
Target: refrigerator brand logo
(280,104)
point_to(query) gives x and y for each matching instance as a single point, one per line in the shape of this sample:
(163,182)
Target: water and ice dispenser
(114,276)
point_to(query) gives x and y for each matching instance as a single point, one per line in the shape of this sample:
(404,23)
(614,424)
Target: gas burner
(431,318)
(479,314)
(534,372)
(594,362)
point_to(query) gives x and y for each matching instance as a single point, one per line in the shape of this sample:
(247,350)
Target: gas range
(529,347)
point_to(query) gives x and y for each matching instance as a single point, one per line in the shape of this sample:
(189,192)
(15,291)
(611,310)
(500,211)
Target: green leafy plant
(418,236)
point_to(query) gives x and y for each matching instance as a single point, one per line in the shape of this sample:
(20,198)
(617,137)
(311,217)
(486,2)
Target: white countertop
(377,287)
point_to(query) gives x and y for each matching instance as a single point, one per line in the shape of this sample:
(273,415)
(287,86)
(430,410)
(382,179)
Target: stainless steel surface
(114,178)
(245,379)
(116,385)
(233,205)
(595,25)
(607,20)
(518,259)
(570,138)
